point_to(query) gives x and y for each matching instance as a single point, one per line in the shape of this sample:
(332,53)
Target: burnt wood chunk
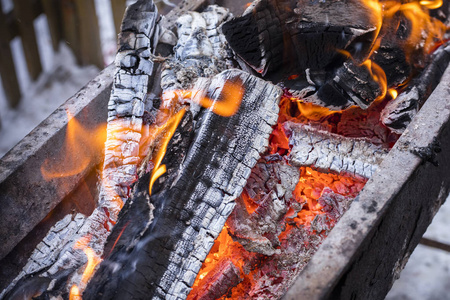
(331,152)
(137,39)
(190,213)
(278,38)
(398,113)
(351,84)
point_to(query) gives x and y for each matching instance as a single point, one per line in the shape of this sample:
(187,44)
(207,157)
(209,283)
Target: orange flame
(93,261)
(75,293)
(417,13)
(170,128)
(312,111)
(80,146)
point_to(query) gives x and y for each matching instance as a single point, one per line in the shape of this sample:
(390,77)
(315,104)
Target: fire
(312,184)
(417,13)
(80,146)
(93,260)
(378,75)
(169,129)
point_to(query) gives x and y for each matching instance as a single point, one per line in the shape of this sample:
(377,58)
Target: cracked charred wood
(269,189)
(399,112)
(201,50)
(331,152)
(189,214)
(137,40)
(268,277)
(279,38)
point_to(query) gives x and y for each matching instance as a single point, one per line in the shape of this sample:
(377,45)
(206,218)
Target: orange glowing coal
(80,146)
(226,251)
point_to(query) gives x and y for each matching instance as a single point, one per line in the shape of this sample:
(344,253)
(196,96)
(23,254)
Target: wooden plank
(51,10)
(7,69)
(118,8)
(21,181)
(11,20)
(90,48)
(24,13)
(70,30)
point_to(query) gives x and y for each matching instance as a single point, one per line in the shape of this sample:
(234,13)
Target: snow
(61,77)
(427,273)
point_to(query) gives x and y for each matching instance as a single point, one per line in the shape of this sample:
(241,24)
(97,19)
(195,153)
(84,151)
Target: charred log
(192,211)
(292,35)
(398,113)
(330,152)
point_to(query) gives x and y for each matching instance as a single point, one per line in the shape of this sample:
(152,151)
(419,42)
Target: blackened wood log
(190,214)
(137,39)
(331,152)
(399,113)
(278,38)
(351,84)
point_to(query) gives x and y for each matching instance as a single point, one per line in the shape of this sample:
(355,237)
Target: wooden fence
(72,21)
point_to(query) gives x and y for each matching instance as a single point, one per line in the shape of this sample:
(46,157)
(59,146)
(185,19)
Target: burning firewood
(399,113)
(189,214)
(187,139)
(331,152)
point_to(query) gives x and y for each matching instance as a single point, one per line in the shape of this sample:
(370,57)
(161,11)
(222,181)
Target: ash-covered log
(399,112)
(163,260)
(279,38)
(331,152)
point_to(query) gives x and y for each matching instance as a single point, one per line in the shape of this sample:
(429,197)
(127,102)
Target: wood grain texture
(192,211)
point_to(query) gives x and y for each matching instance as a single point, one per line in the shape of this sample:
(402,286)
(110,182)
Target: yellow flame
(393,93)
(232,97)
(377,12)
(75,293)
(170,128)
(93,261)
(431,4)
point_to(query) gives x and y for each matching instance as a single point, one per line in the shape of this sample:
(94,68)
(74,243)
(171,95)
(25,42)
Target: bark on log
(279,38)
(331,152)
(399,113)
(192,211)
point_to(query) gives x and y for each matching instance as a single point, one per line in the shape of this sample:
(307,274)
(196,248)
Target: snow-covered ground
(61,77)
(427,274)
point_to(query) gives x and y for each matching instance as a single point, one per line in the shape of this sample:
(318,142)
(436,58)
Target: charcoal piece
(192,209)
(278,38)
(218,282)
(399,112)
(331,152)
(351,84)
(201,50)
(391,58)
(269,189)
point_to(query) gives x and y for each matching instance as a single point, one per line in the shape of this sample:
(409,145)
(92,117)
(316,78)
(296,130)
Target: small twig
(435,244)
